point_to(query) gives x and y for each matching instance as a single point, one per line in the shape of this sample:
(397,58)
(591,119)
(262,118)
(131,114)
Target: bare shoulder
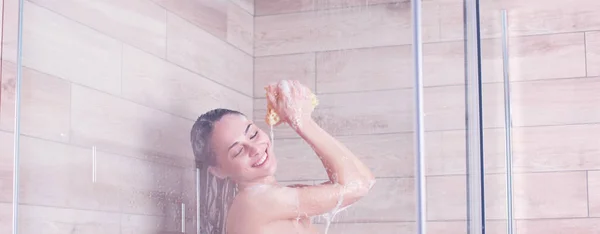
(245,212)
(270,203)
(262,200)
(262,196)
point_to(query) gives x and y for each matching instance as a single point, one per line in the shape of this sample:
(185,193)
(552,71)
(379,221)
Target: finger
(278,123)
(295,90)
(269,89)
(272,99)
(299,88)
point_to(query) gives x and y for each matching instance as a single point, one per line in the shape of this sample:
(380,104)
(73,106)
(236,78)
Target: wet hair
(215,194)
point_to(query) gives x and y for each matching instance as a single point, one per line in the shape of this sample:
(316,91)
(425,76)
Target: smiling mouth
(262,160)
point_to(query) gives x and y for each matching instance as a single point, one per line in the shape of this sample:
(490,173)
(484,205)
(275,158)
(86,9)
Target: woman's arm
(342,166)
(350,180)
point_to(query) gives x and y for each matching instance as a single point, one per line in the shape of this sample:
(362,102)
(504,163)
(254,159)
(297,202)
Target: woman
(237,157)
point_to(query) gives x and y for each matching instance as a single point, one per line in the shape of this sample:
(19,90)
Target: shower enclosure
(476,116)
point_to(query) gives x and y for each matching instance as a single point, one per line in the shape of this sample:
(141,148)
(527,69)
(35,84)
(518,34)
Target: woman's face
(244,152)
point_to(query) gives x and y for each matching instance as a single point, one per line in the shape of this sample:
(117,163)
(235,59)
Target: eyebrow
(245,132)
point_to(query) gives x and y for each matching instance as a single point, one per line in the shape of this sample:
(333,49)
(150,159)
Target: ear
(217,172)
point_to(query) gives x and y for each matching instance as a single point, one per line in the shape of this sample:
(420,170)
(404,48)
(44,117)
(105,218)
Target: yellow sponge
(273,119)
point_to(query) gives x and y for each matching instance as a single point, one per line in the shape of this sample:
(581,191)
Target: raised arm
(349,178)
(342,166)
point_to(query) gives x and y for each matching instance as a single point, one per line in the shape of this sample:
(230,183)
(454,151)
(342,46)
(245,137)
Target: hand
(292,101)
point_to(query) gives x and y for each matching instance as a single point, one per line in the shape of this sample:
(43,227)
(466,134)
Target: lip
(266,155)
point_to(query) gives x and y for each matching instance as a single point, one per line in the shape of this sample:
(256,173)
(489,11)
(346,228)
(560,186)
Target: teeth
(262,160)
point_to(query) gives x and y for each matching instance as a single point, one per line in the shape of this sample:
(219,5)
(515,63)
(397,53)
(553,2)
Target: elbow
(367,184)
(358,189)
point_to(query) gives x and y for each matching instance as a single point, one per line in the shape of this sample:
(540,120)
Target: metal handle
(182,217)
(94,164)
(507,123)
(419,118)
(197,200)
(17,129)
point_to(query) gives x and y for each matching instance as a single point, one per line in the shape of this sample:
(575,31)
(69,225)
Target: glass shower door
(99,152)
(544,54)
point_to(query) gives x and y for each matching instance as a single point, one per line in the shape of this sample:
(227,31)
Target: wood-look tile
(156,83)
(247,5)
(32,219)
(41,95)
(6,166)
(270,69)
(556,148)
(559,226)
(270,7)
(365,69)
(361,228)
(379,112)
(60,175)
(556,102)
(136,22)
(240,28)
(122,127)
(534,17)
(187,46)
(592,48)
(207,15)
(388,155)
(564,197)
(347,28)
(70,50)
(446,198)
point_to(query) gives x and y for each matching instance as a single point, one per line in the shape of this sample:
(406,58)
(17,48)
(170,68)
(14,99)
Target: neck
(268,180)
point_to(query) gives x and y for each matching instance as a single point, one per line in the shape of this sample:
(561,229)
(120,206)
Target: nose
(254,150)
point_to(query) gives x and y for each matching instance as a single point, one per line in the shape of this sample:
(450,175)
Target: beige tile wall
(356,55)
(124,81)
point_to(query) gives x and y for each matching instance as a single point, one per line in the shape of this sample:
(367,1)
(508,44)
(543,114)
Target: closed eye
(239,152)
(253,136)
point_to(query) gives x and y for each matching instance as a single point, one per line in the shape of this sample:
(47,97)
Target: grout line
(442,130)
(224,40)
(337,222)
(453,85)
(134,46)
(441,41)
(451,129)
(449,175)
(445,220)
(244,9)
(85,209)
(315,10)
(84,147)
